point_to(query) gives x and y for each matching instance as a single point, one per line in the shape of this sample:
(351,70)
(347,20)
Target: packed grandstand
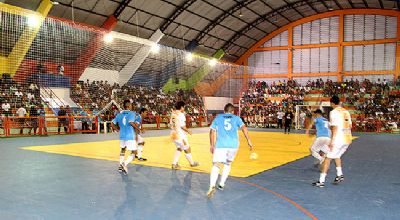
(375,105)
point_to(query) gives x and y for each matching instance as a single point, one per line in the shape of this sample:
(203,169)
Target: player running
(224,141)
(320,148)
(179,137)
(127,135)
(340,122)
(139,121)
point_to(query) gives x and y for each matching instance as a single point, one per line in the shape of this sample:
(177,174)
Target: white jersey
(340,118)
(178,120)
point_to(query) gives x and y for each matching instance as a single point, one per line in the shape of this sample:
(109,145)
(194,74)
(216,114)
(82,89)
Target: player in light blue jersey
(139,121)
(127,135)
(224,141)
(320,147)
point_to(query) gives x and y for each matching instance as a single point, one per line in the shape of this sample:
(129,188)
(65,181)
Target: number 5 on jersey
(227,124)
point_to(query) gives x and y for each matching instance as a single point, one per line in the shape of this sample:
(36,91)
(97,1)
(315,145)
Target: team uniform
(127,132)
(340,118)
(321,143)
(138,121)
(178,135)
(227,143)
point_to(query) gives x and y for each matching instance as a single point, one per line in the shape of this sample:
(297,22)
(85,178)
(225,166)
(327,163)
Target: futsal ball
(253,156)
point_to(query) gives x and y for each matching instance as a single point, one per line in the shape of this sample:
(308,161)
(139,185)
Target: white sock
(121,158)
(339,171)
(225,173)
(129,159)
(214,175)
(189,158)
(176,157)
(322,177)
(139,151)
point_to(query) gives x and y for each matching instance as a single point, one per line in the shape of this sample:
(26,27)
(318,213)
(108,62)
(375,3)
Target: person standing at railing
(33,114)
(42,117)
(21,113)
(62,120)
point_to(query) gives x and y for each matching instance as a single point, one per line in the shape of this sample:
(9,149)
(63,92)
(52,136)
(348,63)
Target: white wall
(94,74)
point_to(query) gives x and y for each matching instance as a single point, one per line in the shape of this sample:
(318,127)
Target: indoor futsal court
(199,109)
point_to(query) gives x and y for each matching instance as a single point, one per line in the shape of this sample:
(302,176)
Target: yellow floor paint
(273,149)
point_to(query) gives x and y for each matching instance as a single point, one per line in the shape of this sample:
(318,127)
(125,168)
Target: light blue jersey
(227,126)
(126,131)
(138,120)
(322,126)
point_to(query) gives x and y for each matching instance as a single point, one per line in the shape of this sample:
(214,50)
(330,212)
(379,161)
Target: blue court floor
(37,185)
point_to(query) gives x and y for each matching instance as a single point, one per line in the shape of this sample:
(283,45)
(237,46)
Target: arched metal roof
(234,25)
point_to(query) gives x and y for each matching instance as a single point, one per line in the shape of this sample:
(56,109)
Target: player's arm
(246,134)
(186,130)
(114,127)
(310,125)
(212,139)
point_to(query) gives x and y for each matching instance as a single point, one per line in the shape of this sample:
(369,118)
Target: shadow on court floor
(37,185)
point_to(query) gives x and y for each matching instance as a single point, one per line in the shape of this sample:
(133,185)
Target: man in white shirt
(179,135)
(18,94)
(280,115)
(6,108)
(340,122)
(21,113)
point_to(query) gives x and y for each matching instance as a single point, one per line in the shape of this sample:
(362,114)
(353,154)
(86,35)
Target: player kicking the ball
(127,135)
(340,122)
(179,137)
(224,141)
(140,140)
(320,148)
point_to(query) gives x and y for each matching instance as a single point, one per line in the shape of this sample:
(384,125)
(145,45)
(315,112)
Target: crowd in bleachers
(96,95)
(259,106)
(14,96)
(377,104)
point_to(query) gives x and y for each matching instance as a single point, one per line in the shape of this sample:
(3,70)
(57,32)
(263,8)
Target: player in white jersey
(340,122)
(140,140)
(179,133)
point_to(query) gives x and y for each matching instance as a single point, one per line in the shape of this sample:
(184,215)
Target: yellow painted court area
(273,149)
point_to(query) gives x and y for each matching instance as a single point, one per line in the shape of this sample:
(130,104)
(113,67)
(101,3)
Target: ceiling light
(33,21)
(155,48)
(189,56)
(55,3)
(108,38)
(212,62)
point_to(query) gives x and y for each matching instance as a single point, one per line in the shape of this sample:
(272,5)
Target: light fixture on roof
(240,13)
(330,6)
(33,21)
(189,56)
(212,62)
(155,48)
(55,3)
(394,5)
(108,38)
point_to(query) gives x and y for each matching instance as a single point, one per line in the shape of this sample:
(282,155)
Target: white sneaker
(211,192)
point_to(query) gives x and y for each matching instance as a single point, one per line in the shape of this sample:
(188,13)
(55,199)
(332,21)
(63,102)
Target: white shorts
(129,144)
(224,155)
(140,139)
(337,151)
(182,143)
(321,144)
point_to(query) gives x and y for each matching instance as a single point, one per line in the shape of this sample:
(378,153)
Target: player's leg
(324,171)
(188,153)
(230,157)
(121,156)
(140,148)
(315,149)
(338,162)
(177,155)
(131,146)
(219,156)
